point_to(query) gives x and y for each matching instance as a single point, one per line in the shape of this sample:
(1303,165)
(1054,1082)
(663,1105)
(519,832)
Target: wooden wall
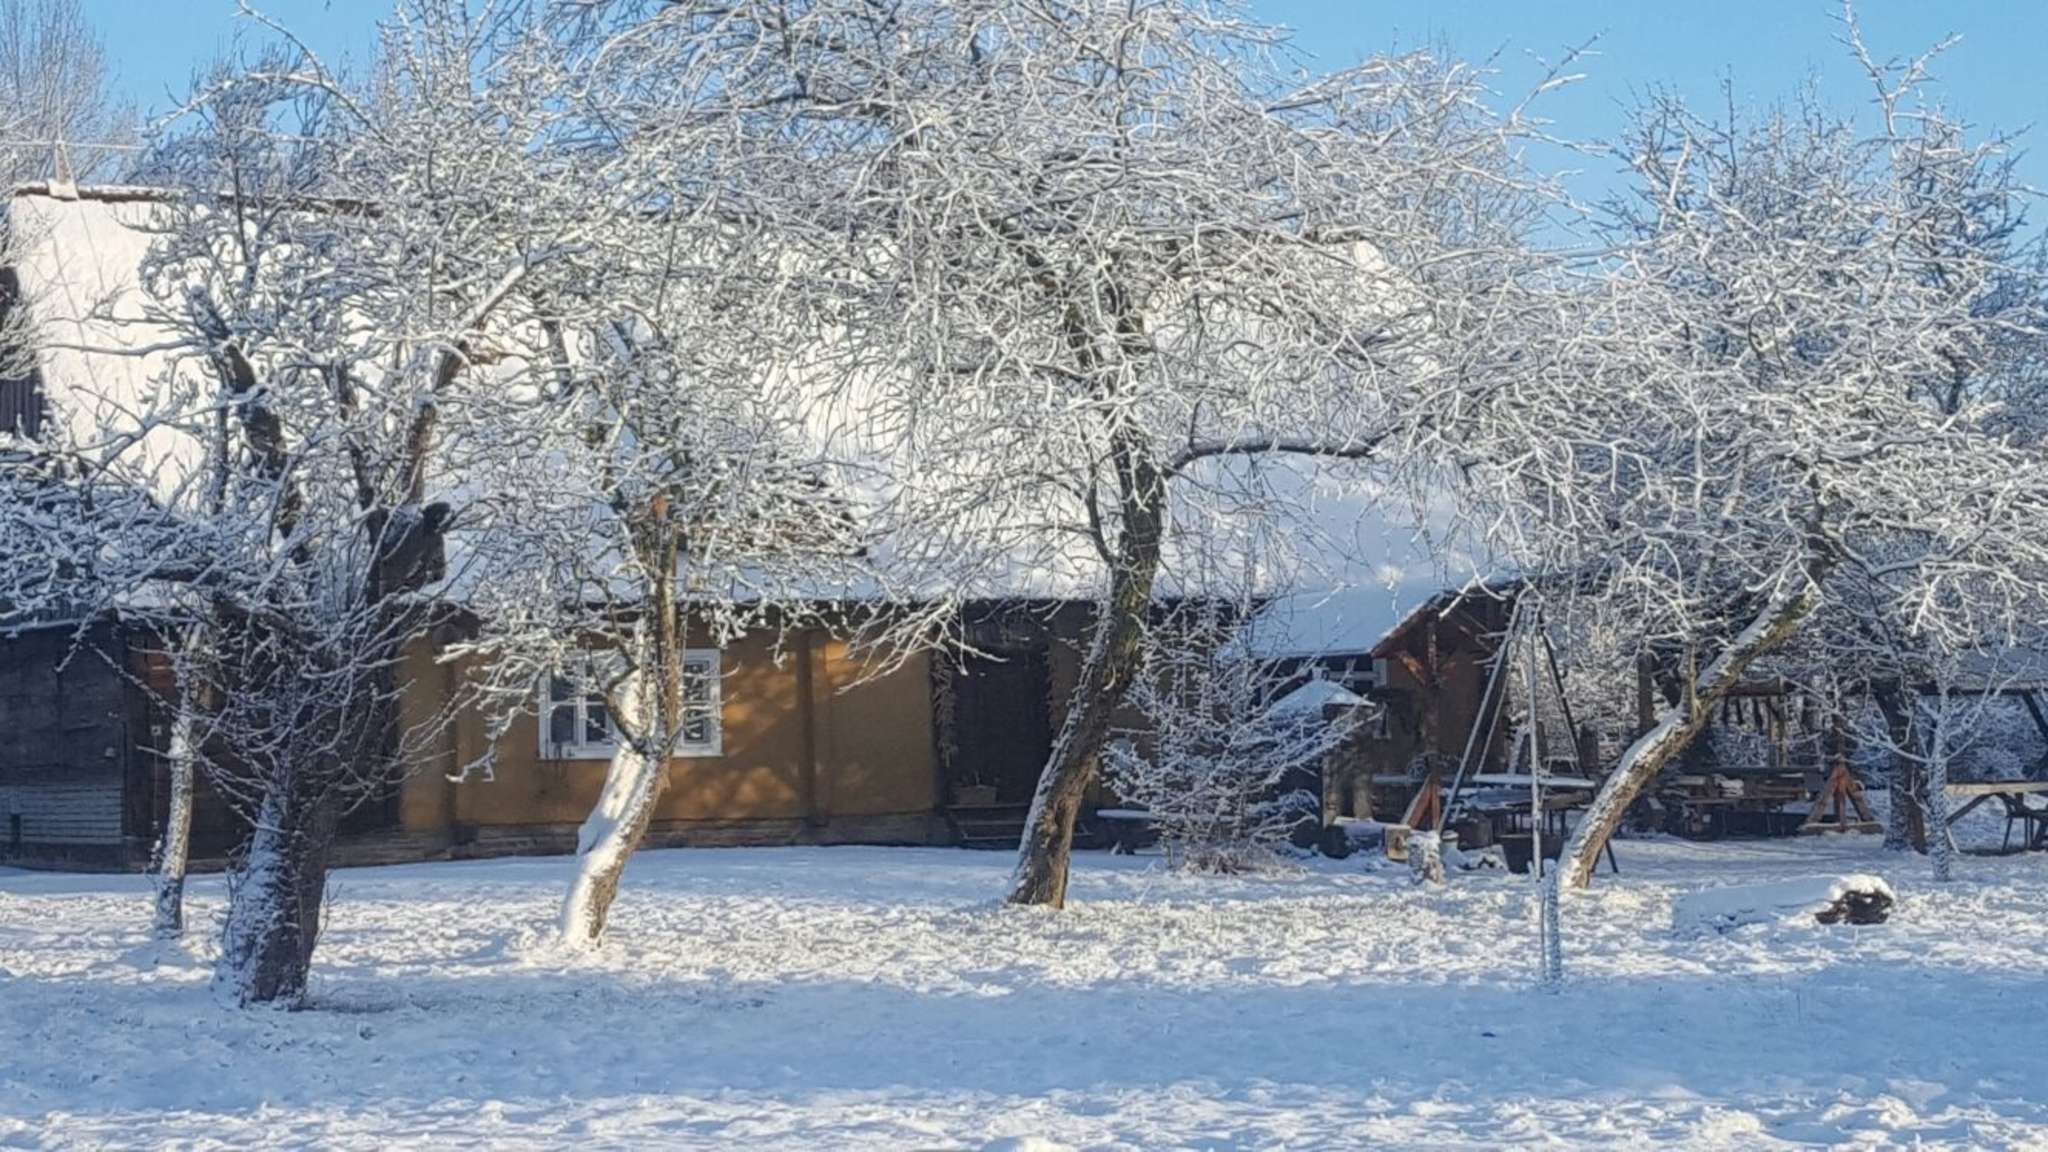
(813,747)
(1436,681)
(70,726)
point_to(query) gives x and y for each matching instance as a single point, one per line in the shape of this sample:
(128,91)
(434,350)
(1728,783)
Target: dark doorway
(1002,729)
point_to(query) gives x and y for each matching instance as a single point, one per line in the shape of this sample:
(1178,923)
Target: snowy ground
(872,998)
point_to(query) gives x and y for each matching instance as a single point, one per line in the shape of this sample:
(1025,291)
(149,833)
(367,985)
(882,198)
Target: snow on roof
(1332,622)
(79,253)
(1343,557)
(1384,560)
(1315,696)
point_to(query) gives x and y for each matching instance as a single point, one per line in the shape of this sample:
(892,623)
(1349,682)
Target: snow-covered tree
(1093,253)
(654,468)
(321,297)
(1770,414)
(655,480)
(58,114)
(1226,761)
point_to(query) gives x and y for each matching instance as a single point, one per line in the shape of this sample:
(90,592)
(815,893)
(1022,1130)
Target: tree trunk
(1676,728)
(649,715)
(1106,674)
(175,846)
(1941,846)
(1904,827)
(1113,661)
(274,910)
(612,832)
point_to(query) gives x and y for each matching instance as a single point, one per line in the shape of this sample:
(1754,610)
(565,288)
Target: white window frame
(711,708)
(703,663)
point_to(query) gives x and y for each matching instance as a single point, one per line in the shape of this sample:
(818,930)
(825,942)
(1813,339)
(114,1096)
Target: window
(576,720)
(702,730)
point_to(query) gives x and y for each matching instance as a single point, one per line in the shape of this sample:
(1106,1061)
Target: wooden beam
(2034,709)
(1428,804)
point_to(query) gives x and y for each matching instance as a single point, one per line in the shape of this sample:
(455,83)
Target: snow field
(878,998)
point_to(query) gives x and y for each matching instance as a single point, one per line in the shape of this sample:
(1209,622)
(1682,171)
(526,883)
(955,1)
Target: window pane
(562,723)
(696,728)
(597,720)
(700,701)
(697,684)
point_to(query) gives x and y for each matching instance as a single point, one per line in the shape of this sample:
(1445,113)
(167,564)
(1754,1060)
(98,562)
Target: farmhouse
(793,738)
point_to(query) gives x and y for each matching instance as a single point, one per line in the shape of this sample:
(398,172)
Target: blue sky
(1994,77)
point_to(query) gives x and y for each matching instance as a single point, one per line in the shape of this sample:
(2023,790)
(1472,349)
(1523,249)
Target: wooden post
(1830,812)
(1428,805)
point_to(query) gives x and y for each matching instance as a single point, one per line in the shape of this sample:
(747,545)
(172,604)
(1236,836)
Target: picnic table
(2014,795)
(1506,795)
(1521,780)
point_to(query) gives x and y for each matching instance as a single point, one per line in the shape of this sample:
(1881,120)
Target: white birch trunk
(175,846)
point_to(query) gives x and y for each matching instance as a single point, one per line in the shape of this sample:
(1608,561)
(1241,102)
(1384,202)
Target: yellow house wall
(870,750)
(875,754)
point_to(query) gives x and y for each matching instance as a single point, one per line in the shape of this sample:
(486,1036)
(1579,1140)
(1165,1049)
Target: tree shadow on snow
(1842,1033)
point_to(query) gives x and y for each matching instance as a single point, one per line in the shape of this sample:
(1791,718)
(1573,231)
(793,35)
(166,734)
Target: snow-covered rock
(1855,898)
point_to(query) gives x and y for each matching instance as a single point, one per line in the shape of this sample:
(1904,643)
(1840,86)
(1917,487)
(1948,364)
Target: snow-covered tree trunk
(1048,843)
(647,707)
(1941,846)
(274,914)
(175,846)
(612,832)
(1112,663)
(1678,725)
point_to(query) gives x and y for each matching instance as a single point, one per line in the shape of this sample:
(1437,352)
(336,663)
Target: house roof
(1388,565)
(1442,603)
(78,252)
(1354,563)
